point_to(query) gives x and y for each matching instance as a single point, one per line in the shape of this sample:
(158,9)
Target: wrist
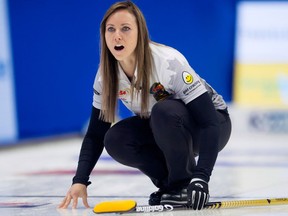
(201,175)
(198,179)
(81,180)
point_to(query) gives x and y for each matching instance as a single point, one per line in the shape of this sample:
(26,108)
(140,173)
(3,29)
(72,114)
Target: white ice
(254,165)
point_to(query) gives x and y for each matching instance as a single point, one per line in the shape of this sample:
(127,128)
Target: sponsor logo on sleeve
(192,87)
(187,77)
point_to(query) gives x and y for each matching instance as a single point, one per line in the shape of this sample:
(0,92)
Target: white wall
(8,125)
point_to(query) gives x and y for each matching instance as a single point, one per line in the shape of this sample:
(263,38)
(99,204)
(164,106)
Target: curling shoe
(175,197)
(155,197)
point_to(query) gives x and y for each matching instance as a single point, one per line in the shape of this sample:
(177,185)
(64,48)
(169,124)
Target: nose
(118,36)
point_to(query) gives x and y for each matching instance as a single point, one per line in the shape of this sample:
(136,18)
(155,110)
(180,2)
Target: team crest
(187,77)
(158,91)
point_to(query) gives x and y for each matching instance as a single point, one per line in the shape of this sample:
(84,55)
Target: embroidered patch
(158,91)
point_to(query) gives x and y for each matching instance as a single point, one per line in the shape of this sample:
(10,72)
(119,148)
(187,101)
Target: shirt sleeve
(204,113)
(185,83)
(92,147)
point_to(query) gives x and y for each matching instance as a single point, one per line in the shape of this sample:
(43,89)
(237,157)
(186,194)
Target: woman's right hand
(76,191)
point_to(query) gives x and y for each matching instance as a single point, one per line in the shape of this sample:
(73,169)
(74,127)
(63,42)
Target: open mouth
(119,47)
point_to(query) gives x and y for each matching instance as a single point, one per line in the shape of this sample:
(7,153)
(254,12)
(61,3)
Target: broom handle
(214,205)
(246,203)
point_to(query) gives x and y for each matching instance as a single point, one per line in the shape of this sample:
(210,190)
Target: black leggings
(170,131)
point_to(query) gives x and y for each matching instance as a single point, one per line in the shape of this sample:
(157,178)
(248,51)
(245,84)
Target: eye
(110,29)
(126,28)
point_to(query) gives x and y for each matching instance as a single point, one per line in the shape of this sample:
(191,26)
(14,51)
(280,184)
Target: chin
(118,58)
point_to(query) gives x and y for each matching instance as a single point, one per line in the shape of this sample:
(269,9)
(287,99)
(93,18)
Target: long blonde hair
(109,67)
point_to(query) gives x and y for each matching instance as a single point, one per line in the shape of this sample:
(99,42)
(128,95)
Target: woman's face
(121,35)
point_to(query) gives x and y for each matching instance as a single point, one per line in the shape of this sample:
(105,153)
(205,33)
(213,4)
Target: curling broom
(130,206)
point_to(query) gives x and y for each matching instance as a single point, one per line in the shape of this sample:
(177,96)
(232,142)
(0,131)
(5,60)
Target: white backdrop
(261,56)
(8,125)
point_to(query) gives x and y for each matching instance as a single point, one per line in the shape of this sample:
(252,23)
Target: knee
(111,141)
(161,109)
(117,146)
(164,113)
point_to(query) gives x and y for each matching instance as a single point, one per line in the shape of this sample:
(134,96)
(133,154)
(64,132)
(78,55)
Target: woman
(178,116)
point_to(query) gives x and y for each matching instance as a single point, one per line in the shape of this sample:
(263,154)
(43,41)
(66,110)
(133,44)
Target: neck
(128,67)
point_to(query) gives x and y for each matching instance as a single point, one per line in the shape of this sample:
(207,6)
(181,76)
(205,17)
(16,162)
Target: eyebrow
(121,24)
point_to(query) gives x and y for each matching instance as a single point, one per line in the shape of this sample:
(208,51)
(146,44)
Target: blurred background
(49,55)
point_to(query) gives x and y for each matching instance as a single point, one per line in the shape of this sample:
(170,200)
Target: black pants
(170,131)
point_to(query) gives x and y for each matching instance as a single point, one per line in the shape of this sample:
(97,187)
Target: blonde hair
(109,66)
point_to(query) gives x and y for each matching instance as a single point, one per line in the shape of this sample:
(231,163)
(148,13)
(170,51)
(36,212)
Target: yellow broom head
(114,206)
